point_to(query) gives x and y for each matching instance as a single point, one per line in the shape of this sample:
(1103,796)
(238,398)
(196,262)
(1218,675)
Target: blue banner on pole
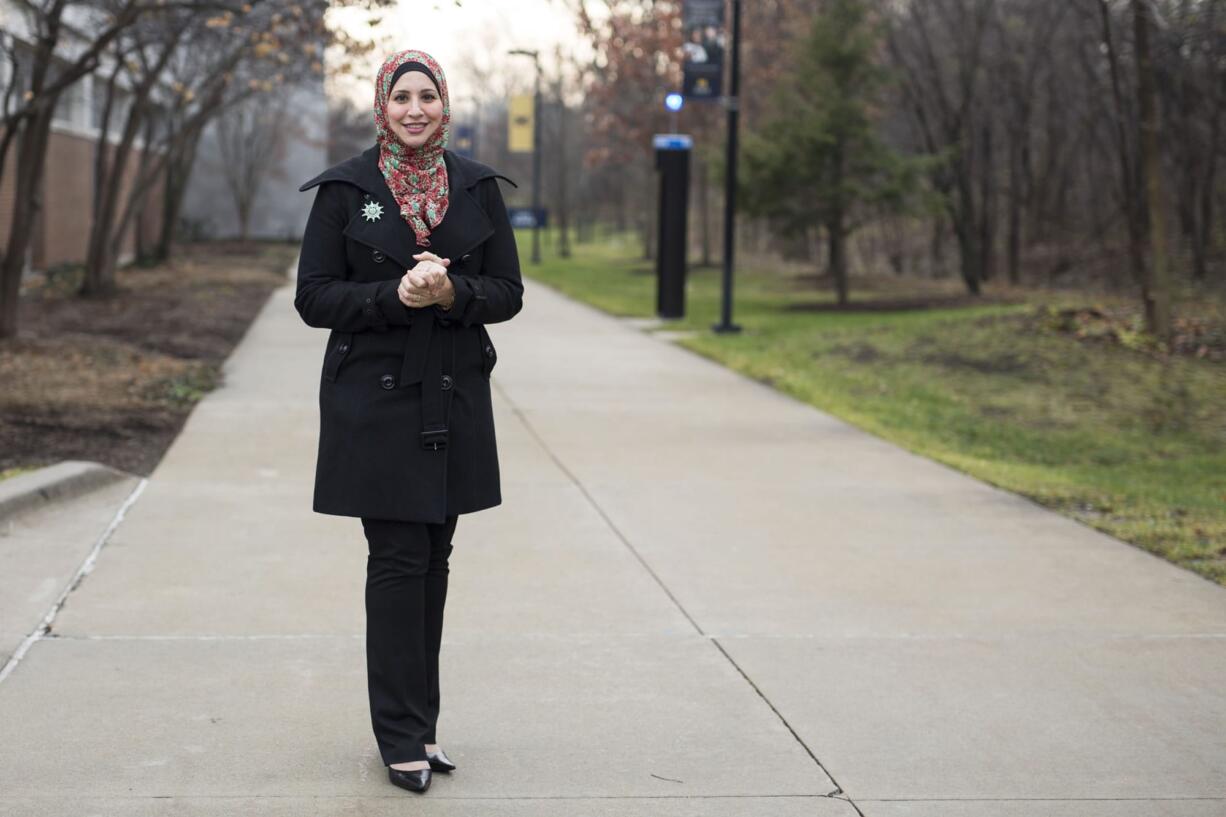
(525,218)
(462,140)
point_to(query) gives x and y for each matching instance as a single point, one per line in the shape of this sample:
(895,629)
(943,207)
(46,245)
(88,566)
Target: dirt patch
(1197,330)
(860,352)
(113,379)
(1004,363)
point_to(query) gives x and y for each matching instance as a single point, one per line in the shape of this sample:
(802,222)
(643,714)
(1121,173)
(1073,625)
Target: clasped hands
(427,283)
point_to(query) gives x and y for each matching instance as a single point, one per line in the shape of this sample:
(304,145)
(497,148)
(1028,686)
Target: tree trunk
(1156,290)
(142,205)
(1129,195)
(244,218)
(27,198)
(936,248)
(1202,239)
(838,260)
(1014,260)
(987,198)
(836,227)
(563,189)
(178,171)
(704,212)
(647,219)
(964,220)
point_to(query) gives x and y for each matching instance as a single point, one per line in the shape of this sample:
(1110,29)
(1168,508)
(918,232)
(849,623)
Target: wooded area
(1068,143)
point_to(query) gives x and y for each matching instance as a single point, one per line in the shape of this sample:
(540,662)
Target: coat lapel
(464,225)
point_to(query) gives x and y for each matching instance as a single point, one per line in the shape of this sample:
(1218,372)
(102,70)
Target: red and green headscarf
(417,177)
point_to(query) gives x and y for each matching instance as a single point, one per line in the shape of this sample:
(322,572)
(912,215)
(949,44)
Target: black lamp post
(733,101)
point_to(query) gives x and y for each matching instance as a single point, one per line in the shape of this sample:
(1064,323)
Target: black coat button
(377,257)
(466,256)
(489,350)
(447,382)
(387,381)
(344,347)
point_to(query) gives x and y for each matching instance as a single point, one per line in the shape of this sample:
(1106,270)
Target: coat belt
(423,363)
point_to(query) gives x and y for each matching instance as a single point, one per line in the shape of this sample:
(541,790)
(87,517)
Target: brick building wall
(61,232)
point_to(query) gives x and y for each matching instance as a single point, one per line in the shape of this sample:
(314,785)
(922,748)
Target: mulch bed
(113,379)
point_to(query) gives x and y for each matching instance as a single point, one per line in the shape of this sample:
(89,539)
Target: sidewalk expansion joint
(1036,799)
(44,626)
(202,636)
(515,409)
(837,793)
(433,796)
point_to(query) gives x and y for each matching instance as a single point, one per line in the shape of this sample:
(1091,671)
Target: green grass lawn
(1102,433)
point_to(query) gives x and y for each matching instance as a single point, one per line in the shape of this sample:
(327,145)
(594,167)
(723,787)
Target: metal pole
(536,166)
(733,100)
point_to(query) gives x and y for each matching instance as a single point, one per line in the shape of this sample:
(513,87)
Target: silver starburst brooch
(372,210)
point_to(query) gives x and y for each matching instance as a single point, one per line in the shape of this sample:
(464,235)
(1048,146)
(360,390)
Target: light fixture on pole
(673,102)
(536,152)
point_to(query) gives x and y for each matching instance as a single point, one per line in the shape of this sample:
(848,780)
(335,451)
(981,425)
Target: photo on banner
(705,39)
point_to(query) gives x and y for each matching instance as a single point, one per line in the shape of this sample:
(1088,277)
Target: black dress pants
(406,591)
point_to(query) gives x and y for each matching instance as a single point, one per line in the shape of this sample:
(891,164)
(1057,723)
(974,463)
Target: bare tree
(940,47)
(350,129)
(44,75)
(232,58)
(140,55)
(251,139)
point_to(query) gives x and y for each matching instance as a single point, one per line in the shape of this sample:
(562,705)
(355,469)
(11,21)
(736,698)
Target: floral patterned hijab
(417,177)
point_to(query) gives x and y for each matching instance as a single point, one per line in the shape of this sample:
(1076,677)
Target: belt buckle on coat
(434,438)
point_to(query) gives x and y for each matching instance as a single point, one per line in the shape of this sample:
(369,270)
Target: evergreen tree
(817,160)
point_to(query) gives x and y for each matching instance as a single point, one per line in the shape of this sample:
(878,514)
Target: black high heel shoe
(439,762)
(417,780)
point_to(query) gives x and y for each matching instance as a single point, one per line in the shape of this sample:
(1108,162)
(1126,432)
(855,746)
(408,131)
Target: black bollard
(673,162)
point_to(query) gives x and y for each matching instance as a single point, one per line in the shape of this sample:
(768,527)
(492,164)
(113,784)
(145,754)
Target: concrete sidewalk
(700,598)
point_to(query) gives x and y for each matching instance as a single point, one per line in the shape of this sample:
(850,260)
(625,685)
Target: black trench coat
(406,428)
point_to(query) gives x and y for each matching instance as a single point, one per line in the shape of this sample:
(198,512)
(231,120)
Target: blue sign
(462,140)
(672,141)
(524,218)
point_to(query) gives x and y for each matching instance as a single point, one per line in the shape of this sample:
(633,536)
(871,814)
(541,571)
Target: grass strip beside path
(1108,435)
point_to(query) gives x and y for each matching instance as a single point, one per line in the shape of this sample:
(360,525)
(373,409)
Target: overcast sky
(475,35)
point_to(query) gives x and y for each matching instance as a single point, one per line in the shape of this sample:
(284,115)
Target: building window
(70,108)
(96,104)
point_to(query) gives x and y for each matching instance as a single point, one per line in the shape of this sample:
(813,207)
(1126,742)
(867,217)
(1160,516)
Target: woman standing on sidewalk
(407,254)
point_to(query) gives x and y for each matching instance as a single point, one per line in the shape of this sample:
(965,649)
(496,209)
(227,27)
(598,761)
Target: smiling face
(414,109)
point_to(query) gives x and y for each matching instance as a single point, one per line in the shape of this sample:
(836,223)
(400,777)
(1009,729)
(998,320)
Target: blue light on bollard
(674,101)
(672,141)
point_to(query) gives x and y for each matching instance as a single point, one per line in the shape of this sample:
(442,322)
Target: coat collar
(464,226)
